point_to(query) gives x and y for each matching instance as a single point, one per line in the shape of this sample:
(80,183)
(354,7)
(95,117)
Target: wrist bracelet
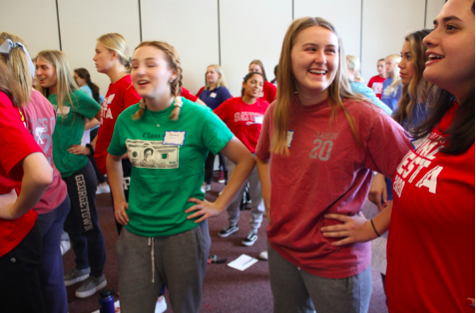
(375,229)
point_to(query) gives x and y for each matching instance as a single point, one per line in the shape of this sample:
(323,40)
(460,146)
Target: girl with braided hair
(165,239)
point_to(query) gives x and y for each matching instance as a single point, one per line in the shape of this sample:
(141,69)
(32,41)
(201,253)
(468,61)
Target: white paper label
(290,138)
(175,138)
(258,119)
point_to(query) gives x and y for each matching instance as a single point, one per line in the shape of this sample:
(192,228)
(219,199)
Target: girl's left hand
(470,302)
(354,228)
(78,149)
(204,209)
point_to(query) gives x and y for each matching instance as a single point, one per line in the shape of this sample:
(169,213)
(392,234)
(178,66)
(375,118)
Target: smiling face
(381,68)
(151,73)
(46,74)
(315,61)
(407,68)
(212,75)
(450,51)
(104,58)
(253,86)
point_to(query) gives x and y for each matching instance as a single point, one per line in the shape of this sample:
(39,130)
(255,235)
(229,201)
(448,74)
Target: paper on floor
(243,262)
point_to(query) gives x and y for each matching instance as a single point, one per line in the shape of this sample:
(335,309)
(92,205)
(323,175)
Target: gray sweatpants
(257,204)
(295,290)
(146,264)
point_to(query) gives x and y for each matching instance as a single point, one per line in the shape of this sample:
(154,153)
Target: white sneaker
(161,305)
(205,187)
(263,255)
(65,245)
(103,188)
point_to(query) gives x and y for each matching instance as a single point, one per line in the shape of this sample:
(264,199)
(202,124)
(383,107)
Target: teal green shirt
(167,164)
(69,130)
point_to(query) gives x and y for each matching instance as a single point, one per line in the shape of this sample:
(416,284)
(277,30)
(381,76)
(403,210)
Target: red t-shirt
(120,96)
(376,83)
(243,119)
(431,240)
(187,95)
(40,118)
(16,143)
(326,171)
(269,92)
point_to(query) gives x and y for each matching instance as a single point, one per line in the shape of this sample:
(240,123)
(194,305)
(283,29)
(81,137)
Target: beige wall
(249,29)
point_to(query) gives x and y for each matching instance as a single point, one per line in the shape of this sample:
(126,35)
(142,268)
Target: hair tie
(8,45)
(178,102)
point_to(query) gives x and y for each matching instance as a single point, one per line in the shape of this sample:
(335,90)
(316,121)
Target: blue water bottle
(106,301)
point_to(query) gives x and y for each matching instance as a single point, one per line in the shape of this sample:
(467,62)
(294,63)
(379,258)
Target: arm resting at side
(114,171)
(37,176)
(263,172)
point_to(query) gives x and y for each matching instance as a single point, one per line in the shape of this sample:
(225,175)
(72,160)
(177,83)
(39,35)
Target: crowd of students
(312,150)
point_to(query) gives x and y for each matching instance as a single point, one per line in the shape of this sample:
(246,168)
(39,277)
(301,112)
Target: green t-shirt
(167,164)
(69,130)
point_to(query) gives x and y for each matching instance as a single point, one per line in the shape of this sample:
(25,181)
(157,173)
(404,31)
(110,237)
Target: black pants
(209,162)
(82,222)
(126,172)
(20,290)
(100,177)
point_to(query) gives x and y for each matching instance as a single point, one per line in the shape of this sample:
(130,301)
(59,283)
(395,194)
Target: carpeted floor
(225,290)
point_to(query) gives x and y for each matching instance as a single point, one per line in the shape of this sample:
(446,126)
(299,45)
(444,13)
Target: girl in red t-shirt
(269,90)
(431,244)
(244,116)
(112,58)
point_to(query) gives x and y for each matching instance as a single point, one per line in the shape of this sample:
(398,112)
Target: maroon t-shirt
(244,120)
(431,244)
(326,171)
(16,143)
(40,118)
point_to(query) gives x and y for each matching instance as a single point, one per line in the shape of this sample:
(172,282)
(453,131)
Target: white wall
(249,29)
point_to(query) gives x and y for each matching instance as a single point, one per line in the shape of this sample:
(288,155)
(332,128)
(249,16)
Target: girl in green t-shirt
(73,106)
(165,239)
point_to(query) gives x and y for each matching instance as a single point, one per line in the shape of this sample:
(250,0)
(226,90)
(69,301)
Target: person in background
(244,116)
(318,147)
(54,205)
(91,129)
(165,239)
(73,106)
(215,93)
(376,82)
(187,95)
(112,58)
(392,86)
(275,79)
(269,90)
(431,245)
(353,72)
(25,167)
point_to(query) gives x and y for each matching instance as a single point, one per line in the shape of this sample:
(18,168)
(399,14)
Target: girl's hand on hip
(202,209)
(354,229)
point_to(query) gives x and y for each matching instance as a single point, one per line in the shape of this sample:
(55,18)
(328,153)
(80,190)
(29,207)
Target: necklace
(158,125)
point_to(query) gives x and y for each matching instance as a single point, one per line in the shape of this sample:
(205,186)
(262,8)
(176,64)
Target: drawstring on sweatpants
(151,244)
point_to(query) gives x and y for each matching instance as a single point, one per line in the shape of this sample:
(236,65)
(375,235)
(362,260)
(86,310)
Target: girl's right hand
(378,190)
(120,213)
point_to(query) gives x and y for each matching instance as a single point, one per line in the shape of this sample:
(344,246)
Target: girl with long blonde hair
(112,58)
(165,238)
(73,107)
(318,146)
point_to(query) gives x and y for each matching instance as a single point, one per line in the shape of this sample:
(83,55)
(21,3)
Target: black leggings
(209,162)
(82,222)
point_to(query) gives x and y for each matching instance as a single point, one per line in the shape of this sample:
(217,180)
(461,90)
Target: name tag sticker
(290,138)
(213,95)
(65,110)
(258,119)
(175,138)
(110,98)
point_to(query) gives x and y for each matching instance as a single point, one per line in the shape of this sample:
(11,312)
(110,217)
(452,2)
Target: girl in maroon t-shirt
(431,247)
(318,146)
